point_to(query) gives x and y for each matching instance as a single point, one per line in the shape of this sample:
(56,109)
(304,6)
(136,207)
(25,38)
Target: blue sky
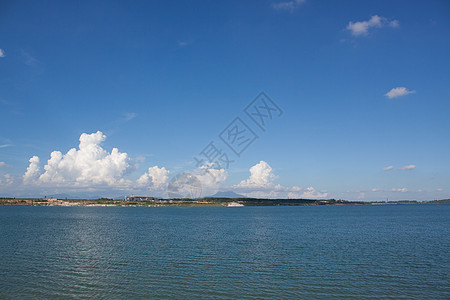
(364,87)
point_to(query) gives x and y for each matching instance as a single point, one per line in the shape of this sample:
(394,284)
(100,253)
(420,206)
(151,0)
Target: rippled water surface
(395,251)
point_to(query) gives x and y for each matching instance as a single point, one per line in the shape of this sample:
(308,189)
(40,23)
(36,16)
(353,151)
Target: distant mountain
(227,194)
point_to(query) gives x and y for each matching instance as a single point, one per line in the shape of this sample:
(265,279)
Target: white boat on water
(235,204)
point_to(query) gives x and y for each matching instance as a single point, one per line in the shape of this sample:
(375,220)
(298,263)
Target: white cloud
(29,60)
(129,116)
(5,145)
(288,5)
(2,53)
(156,176)
(8,180)
(362,28)
(89,165)
(206,180)
(311,193)
(92,168)
(402,190)
(4,165)
(388,168)
(269,194)
(408,167)
(260,184)
(398,92)
(139,158)
(211,177)
(261,175)
(293,195)
(394,23)
(33,170)
(184,43)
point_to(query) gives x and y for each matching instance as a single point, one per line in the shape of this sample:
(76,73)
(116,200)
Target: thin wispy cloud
(129,116)
(5,145)
(288,5)
(398,92)
(4,165)
(2,53)
(184,43)
(30,60)
(376,190)
(388,168)
(6,103)
(139,158)
(361,28)
(408,167)
(394,23)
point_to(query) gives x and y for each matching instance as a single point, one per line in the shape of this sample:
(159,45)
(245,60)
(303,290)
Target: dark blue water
(395,251)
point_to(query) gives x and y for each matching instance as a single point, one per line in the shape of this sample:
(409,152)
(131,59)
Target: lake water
(392,251)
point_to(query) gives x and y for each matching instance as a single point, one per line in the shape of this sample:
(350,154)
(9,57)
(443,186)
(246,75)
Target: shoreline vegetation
(207,201)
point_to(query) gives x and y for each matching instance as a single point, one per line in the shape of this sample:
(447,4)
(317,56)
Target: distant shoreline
(207,201)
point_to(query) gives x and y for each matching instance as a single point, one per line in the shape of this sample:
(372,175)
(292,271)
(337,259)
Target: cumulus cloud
(398,92)
(292,195)
(2,53)
(89,165)
(33,170)
(362,28)
(311,193)
(388,168)
(401,190)
(7,180)
(260,184)
(261,175)
(308,193)
(288,5)
(211,177)
(408,167)
(155,178)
